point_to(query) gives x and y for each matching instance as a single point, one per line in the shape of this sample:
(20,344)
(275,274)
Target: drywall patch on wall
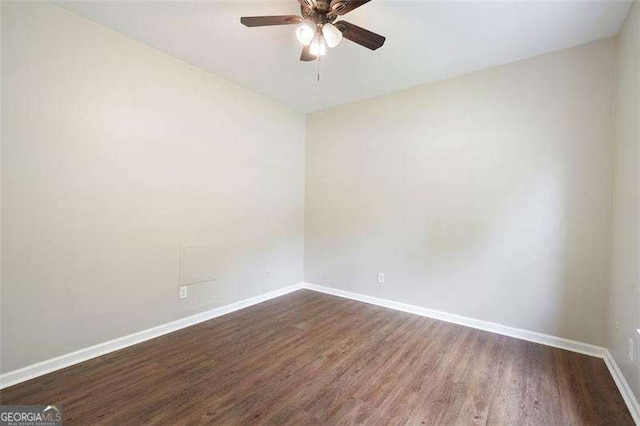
(197,264)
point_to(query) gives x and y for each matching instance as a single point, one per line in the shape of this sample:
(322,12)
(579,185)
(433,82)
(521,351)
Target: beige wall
(114,156)
(623,293)
(486,195)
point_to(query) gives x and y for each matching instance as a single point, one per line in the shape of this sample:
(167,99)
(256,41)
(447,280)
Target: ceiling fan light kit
(316,29)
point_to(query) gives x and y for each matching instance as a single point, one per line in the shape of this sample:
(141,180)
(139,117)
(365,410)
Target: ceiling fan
(316,29)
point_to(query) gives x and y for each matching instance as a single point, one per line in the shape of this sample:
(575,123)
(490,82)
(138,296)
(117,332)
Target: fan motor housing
(321,6)
(318,17)
(322,11)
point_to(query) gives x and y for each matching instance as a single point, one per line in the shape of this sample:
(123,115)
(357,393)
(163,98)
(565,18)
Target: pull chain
(319,67)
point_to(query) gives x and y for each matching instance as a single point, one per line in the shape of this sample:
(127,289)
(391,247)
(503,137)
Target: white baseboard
(532,336)
(32,371)
(623,386)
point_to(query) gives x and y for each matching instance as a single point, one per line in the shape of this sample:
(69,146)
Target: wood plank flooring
(311,358)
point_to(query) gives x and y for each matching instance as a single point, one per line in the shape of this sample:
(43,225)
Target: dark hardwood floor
(313,358)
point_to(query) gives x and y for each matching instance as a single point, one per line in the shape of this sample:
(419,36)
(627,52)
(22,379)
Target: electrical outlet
(630,349)
(184,292)
(381,277)
(617,326)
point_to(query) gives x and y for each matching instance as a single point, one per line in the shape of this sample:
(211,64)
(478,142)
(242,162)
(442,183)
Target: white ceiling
(426,41)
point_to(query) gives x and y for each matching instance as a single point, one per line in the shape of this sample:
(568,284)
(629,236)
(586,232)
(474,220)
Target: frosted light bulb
(305,33)
(332,35)
(318,46)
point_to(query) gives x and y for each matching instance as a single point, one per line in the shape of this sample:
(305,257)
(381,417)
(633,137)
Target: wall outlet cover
(184,292)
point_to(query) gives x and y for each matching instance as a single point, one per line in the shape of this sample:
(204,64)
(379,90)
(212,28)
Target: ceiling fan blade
(263,21)
(341,7)
(306,56)
(359,35)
